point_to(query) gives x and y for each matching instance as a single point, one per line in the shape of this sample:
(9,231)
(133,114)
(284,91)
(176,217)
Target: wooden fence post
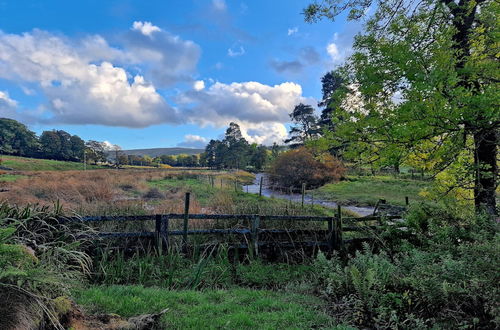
(331,234)
(338,228)
(186,218)
(164,232)
(303,193)
(158,232)
(254,235)
(260,187)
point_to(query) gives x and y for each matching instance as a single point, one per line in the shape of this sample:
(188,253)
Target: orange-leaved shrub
(297,166)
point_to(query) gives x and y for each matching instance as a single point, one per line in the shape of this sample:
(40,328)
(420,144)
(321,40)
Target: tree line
(16,139)
(234,151)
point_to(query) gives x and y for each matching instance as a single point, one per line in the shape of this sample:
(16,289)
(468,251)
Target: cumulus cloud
(146,28)
(261,110)
(293,31)
(198,85)
(83,86)
(193,141)
(8,106)
(166,58)
(333,51)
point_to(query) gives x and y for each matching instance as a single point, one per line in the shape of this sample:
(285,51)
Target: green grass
(10,177)
(198,187)
(367,190)
(211,309)
(33,164)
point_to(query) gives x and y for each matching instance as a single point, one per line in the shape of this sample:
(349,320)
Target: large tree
(16,138)
(306,125)
(427,72)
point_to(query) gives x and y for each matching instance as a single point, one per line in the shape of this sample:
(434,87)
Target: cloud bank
(90,81)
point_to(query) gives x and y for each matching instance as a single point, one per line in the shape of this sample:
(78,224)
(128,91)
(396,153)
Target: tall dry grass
(95,192)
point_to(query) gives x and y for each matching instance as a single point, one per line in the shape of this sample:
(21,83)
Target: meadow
(399,280)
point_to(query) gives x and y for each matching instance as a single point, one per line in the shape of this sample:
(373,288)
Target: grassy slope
(221,309)
(367,190)
(33,164)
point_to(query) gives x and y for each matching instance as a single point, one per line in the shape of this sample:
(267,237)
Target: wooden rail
(336,226)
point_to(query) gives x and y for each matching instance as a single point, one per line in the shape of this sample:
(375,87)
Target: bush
(40,260)
(439,272)
(298,166)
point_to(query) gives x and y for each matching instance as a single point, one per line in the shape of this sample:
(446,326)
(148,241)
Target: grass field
(367,190)
(5,177)
(211,309)
(33,164)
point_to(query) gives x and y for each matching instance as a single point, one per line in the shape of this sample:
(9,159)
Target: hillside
(155,152)
(34,164)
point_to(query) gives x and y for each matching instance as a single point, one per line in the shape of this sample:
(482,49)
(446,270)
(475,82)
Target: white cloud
(261,110)
(145,28)
(219,5)
(198,85)
(6,101)
(193,141)
(333,51)
(293,31)
(166,58)
(82,84)
(108,146)
(236,51)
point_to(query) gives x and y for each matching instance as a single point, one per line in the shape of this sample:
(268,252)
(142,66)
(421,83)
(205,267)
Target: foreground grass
(367,190)
(33,164)
(212,309)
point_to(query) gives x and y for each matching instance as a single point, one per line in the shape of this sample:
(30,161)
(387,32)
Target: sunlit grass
(33,164)
(211,309)
(367,190)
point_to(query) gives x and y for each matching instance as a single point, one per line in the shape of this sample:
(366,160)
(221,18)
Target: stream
(308,199)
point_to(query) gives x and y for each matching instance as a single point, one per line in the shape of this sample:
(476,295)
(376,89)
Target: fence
(333,236)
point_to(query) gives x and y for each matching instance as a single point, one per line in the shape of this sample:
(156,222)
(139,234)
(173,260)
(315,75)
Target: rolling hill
(155,152)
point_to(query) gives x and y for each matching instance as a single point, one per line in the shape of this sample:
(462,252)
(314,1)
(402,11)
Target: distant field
(33,164)
(367,190)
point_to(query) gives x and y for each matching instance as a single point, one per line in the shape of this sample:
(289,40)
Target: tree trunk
(485,154)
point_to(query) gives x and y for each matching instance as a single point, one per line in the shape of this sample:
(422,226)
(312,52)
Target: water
(308,199)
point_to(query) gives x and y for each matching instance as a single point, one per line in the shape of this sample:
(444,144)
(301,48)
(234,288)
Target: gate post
(254,235)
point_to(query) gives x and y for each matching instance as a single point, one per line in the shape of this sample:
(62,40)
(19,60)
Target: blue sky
(144,74)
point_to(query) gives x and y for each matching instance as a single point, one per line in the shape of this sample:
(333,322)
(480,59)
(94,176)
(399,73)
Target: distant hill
(155,152)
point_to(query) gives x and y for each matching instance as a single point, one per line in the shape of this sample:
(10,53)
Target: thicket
(441,271)
(298,166)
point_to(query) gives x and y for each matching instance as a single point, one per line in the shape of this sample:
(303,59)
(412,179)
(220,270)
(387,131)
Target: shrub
(298,166)
(445,277)
(40,259)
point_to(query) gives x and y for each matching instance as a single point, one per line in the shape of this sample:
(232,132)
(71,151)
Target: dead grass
(96,191)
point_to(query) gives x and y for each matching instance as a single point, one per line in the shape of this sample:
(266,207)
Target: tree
(17,139)
(50,144)
(260,157)
(95,151)
(427,72)
(298,166)
(306,125)
(330,83)
(77,147)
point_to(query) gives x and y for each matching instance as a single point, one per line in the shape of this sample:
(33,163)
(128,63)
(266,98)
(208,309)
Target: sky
(154,74)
